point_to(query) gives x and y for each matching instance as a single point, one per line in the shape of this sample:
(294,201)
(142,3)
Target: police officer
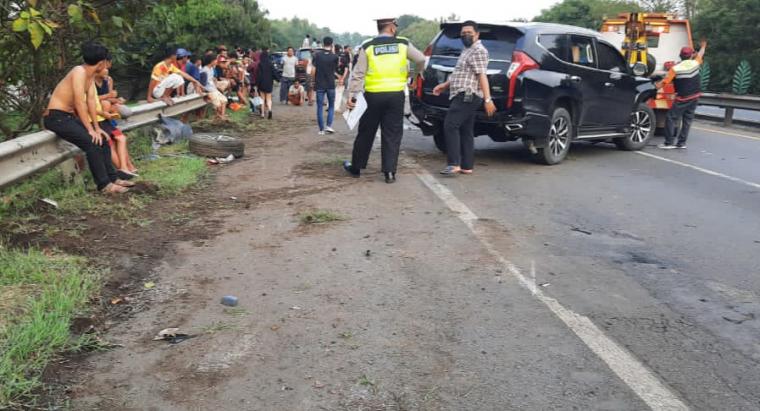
(381,71)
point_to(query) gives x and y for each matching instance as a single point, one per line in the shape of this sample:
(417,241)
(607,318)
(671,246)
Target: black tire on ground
(440,141)
(216,145)
(561,134)
(643,125)
(651,64)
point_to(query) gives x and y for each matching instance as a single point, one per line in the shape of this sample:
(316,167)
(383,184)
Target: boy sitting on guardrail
(166,78)
(107,114)
(72,115)
(208,82)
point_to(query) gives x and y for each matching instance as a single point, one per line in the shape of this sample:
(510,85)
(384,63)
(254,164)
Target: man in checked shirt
(468,89)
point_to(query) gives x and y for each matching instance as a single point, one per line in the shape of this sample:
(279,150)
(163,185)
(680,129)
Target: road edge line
(624,364)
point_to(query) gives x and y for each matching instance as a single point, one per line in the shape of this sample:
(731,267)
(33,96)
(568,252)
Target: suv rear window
(304,54)
(499,41)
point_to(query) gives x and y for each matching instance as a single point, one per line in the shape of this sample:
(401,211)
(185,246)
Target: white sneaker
(664,146)
(321,133)
(330,130)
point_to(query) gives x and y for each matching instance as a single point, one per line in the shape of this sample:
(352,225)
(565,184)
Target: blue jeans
(321,110)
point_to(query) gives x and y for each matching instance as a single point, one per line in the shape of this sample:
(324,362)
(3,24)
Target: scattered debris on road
(49,202)
(172,336)
(230,300)
(580,230)
(149,285)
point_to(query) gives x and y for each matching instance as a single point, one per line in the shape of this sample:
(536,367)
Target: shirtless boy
(72,115)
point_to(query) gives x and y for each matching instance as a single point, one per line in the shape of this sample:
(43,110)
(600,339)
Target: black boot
(390,178)
(351,170)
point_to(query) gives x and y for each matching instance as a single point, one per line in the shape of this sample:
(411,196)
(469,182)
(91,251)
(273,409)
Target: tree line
(40,39)
(40,42)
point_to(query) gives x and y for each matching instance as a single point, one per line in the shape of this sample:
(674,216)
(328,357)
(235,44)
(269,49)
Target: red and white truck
(654,39)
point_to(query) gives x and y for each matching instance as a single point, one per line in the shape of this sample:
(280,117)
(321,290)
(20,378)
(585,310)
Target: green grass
(41,294)
(49,184)
(320,217)
(139,142)
(173,174)
(241,117)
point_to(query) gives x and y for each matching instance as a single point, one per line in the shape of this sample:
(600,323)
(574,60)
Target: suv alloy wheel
(642,129)
(559,138)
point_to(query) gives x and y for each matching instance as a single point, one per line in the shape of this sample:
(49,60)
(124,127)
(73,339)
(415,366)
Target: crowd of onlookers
(228,79)
(243,78)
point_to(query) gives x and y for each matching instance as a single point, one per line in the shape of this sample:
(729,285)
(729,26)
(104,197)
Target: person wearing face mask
(381,72)
(468,89)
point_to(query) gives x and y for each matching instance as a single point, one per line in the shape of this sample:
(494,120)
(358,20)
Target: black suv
(552,84)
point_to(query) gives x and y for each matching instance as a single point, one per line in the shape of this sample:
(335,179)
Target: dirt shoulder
(389,305)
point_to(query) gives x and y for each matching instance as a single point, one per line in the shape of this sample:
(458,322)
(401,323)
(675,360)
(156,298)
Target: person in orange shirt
(167,77)
(688,84)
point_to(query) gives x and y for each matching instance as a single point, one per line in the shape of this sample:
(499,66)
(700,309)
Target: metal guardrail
(730,102)
(32,153)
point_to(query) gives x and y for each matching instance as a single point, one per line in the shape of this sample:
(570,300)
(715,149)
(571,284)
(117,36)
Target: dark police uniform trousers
(385,110)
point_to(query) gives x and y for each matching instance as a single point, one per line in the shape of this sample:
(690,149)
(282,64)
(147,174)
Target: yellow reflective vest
(386,64)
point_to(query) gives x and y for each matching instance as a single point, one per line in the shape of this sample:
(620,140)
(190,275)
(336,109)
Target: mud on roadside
(130,251)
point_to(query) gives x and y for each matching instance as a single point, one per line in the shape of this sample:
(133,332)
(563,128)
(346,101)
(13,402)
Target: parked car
(552,85)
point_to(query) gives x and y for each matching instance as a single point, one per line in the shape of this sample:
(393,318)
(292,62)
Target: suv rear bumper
(530,125)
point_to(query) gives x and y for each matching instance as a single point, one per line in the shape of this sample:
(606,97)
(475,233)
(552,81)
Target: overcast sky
(333,14)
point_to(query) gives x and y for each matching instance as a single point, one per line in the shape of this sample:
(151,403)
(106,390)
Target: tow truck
(654,39)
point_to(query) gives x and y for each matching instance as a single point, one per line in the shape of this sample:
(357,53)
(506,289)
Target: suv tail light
(428,53)
(521,63)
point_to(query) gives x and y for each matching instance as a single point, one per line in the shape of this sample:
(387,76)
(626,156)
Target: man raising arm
(688,86)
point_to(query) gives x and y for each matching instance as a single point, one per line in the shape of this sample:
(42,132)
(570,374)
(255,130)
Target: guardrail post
(729,119)
(71,171)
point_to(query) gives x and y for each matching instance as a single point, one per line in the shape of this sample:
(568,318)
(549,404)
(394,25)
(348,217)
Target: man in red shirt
(688,83)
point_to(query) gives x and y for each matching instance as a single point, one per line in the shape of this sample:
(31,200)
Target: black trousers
(459,129)
(69,128)
(681,112)
(385,110)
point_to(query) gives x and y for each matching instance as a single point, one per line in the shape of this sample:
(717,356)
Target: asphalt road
(660,248)
(613,281)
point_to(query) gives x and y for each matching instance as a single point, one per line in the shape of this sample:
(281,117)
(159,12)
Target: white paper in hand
(352,117)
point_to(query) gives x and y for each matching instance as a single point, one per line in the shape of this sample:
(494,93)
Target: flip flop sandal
(450,171)
(112,192)
(465,171)
(125,184)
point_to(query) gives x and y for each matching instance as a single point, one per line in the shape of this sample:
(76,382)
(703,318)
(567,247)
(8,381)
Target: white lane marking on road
(732,134)
(629,369)
(700,169)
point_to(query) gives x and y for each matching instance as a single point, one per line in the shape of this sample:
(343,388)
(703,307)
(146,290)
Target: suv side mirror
(639,69)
